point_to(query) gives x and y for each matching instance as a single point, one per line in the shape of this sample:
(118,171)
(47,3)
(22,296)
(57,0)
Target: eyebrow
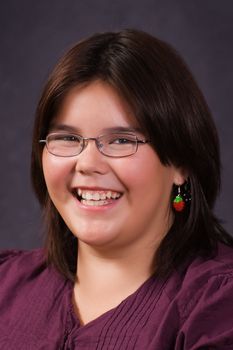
(63,127)
(69,128)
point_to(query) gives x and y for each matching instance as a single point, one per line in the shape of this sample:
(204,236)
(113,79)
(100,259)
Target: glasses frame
(85,140)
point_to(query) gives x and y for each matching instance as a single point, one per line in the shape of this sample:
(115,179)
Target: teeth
(94,203)
(102,196)
(97,195)
(87,196)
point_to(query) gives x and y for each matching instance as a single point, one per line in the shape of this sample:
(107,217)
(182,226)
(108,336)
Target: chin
(95,238)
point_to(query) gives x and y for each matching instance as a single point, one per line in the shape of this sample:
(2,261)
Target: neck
(100,268)
(104,280)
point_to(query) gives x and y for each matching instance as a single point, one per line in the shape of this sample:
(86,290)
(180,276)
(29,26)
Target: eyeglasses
(111,145)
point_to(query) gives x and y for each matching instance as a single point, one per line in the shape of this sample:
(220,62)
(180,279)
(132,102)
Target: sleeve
(6,255)
(208,317)
(7,259)
(34,300)
(18,267)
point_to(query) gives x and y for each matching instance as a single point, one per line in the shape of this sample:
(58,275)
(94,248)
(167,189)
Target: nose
(90,160)
(86,142)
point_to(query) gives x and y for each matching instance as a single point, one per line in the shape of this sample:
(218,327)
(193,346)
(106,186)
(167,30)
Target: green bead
(178,199)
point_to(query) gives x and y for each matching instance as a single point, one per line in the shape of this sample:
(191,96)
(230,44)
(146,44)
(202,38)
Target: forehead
(96,105)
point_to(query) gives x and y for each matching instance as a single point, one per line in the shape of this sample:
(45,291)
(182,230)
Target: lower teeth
(94,203)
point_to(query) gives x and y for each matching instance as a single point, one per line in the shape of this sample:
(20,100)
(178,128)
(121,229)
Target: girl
(125,164)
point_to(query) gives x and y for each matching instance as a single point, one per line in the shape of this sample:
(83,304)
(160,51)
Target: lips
(97,197)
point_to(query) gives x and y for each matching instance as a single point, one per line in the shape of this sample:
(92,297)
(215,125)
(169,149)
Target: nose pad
(91,160)
(85,144)
(99,146)
(87,141)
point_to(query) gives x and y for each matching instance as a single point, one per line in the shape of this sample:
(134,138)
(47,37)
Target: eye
(64,138)
(121,139)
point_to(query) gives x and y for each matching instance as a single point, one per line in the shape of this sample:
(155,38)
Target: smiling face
(108,202)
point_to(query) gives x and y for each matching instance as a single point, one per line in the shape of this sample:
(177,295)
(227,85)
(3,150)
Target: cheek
(144,175)
(142,169)
(56,172)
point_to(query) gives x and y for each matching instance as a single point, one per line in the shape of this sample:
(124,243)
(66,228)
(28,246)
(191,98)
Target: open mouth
(96,198)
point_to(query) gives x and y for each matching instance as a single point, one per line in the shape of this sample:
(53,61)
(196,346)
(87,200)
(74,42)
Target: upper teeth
(97,195)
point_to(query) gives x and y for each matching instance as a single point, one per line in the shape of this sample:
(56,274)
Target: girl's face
(125,201)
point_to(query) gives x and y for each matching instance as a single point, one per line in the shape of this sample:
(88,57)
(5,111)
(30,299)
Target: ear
(180,176)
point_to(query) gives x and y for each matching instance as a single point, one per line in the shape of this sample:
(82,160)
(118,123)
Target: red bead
(178,206)
(178,203)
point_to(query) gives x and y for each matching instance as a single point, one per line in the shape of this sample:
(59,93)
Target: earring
(178,202)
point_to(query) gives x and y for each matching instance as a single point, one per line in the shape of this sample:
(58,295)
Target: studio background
(33,37)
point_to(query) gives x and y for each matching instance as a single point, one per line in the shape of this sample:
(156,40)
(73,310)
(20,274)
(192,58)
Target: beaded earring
(178,202)
(183,197)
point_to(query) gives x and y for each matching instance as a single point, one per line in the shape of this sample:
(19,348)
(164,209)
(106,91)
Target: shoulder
(205,301)
(10,256)
(208,273)
(32,293)
(195,275)
(20,269)
(203,272)
(202,269)
(20,262)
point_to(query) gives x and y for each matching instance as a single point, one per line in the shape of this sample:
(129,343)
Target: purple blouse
(191,310)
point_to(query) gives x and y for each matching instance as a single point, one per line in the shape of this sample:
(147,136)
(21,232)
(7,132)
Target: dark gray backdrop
(34,34)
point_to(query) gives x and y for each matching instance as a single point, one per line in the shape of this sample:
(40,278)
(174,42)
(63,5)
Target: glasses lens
(64,145)
(118,144)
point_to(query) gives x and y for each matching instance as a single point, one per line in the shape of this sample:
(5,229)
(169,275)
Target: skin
(117,242)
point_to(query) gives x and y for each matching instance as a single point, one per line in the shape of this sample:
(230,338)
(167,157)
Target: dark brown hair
(168,105)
